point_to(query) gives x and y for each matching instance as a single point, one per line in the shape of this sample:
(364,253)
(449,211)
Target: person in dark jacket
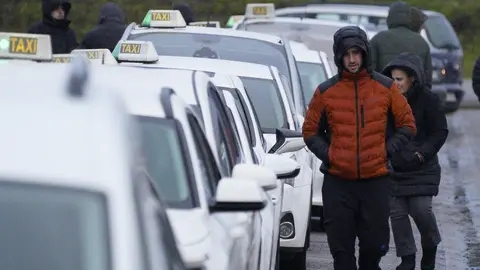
(186,12)
(110,28)
(56,24)
(416,170)
(404,23)
(476,78)
(345,127)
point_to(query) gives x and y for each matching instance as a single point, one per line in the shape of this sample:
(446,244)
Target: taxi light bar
(135,51)
(25,46)
(97,56)
(62,58)
(214,24)
(233,20)
(164,19)
(260,11)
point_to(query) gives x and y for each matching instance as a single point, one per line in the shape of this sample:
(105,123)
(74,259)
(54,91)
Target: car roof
(360,9)
(299,20)
(241,69)
(51,138)
(211,31)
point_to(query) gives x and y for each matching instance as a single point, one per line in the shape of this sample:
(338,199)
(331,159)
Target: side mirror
(264,177)
(238,195)
(283,166)
(287,141)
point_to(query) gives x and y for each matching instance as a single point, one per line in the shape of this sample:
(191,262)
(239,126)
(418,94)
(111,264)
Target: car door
(233,249)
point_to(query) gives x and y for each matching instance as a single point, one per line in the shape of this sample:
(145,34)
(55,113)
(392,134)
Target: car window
(244,113)
(230,152)
(216,46)
(210,173)
(166,161)
(311,75)
(441,33)
(47,227)
(267,102)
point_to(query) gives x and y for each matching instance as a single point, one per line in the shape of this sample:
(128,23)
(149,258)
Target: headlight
(438,75)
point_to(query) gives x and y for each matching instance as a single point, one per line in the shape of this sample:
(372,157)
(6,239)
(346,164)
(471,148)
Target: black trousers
(354,209)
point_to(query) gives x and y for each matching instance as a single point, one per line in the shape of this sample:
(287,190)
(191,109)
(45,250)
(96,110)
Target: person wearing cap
(55,23)
(186,11)
(110,28)
(355,121)
(416,170)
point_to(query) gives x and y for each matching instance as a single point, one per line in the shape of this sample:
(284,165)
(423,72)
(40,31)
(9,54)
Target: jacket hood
(346,38)
(186,12)
(111,12)
(402,14)
(418,19)
(49,5)
(410,63)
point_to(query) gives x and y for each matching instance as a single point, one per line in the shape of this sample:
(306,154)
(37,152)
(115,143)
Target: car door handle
(274,200)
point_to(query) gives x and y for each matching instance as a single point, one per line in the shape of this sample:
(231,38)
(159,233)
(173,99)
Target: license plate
(451,97)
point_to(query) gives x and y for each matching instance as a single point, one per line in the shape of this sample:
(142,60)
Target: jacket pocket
(362,116)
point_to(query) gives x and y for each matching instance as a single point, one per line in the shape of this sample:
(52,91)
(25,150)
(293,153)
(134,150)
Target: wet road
(457,207)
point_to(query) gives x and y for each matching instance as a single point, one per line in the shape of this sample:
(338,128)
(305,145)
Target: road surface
(457,207)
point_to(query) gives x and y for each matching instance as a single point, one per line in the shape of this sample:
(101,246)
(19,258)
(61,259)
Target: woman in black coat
(416,170)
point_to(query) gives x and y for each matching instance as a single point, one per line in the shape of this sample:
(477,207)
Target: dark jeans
(420,209)
(357,209)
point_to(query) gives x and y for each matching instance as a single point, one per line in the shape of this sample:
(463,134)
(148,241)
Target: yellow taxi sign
(99,56)
(135,51)
(214,24)
(25,46)
(164,19)
(62,58)
(260,10)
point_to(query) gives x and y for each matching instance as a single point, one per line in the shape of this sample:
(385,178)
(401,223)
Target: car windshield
(441,33)
(216,46)
(311,75)
(266,101)
(54,228)
(165,162)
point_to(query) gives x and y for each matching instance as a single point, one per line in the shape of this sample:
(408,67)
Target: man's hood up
(186,12)
(410,62)
(347,37)
(111,12)
(402,14)
(50,5)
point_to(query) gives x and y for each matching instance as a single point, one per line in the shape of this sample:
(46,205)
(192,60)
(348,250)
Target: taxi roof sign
(62,58)
(97,56)
(213,24)
(233,20)
(25,46)
(260,11)
(164,19)
(135,51)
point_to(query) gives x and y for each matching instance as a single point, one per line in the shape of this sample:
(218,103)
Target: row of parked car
(181,149)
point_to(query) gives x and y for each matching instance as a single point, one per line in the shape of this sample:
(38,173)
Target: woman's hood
(410,62)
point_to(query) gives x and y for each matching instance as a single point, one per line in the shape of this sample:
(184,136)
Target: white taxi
(168,32)
(269,99)
(191,180)
(73,187)
(24,48)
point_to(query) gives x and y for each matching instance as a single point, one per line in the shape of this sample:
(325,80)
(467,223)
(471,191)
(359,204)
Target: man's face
(58,13)
(352,60)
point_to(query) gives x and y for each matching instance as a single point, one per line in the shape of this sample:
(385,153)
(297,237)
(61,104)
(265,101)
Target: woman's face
(402,80)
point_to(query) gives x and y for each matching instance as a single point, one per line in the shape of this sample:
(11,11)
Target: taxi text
(130,48)
(259,10)
(23,45)
(161,16)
